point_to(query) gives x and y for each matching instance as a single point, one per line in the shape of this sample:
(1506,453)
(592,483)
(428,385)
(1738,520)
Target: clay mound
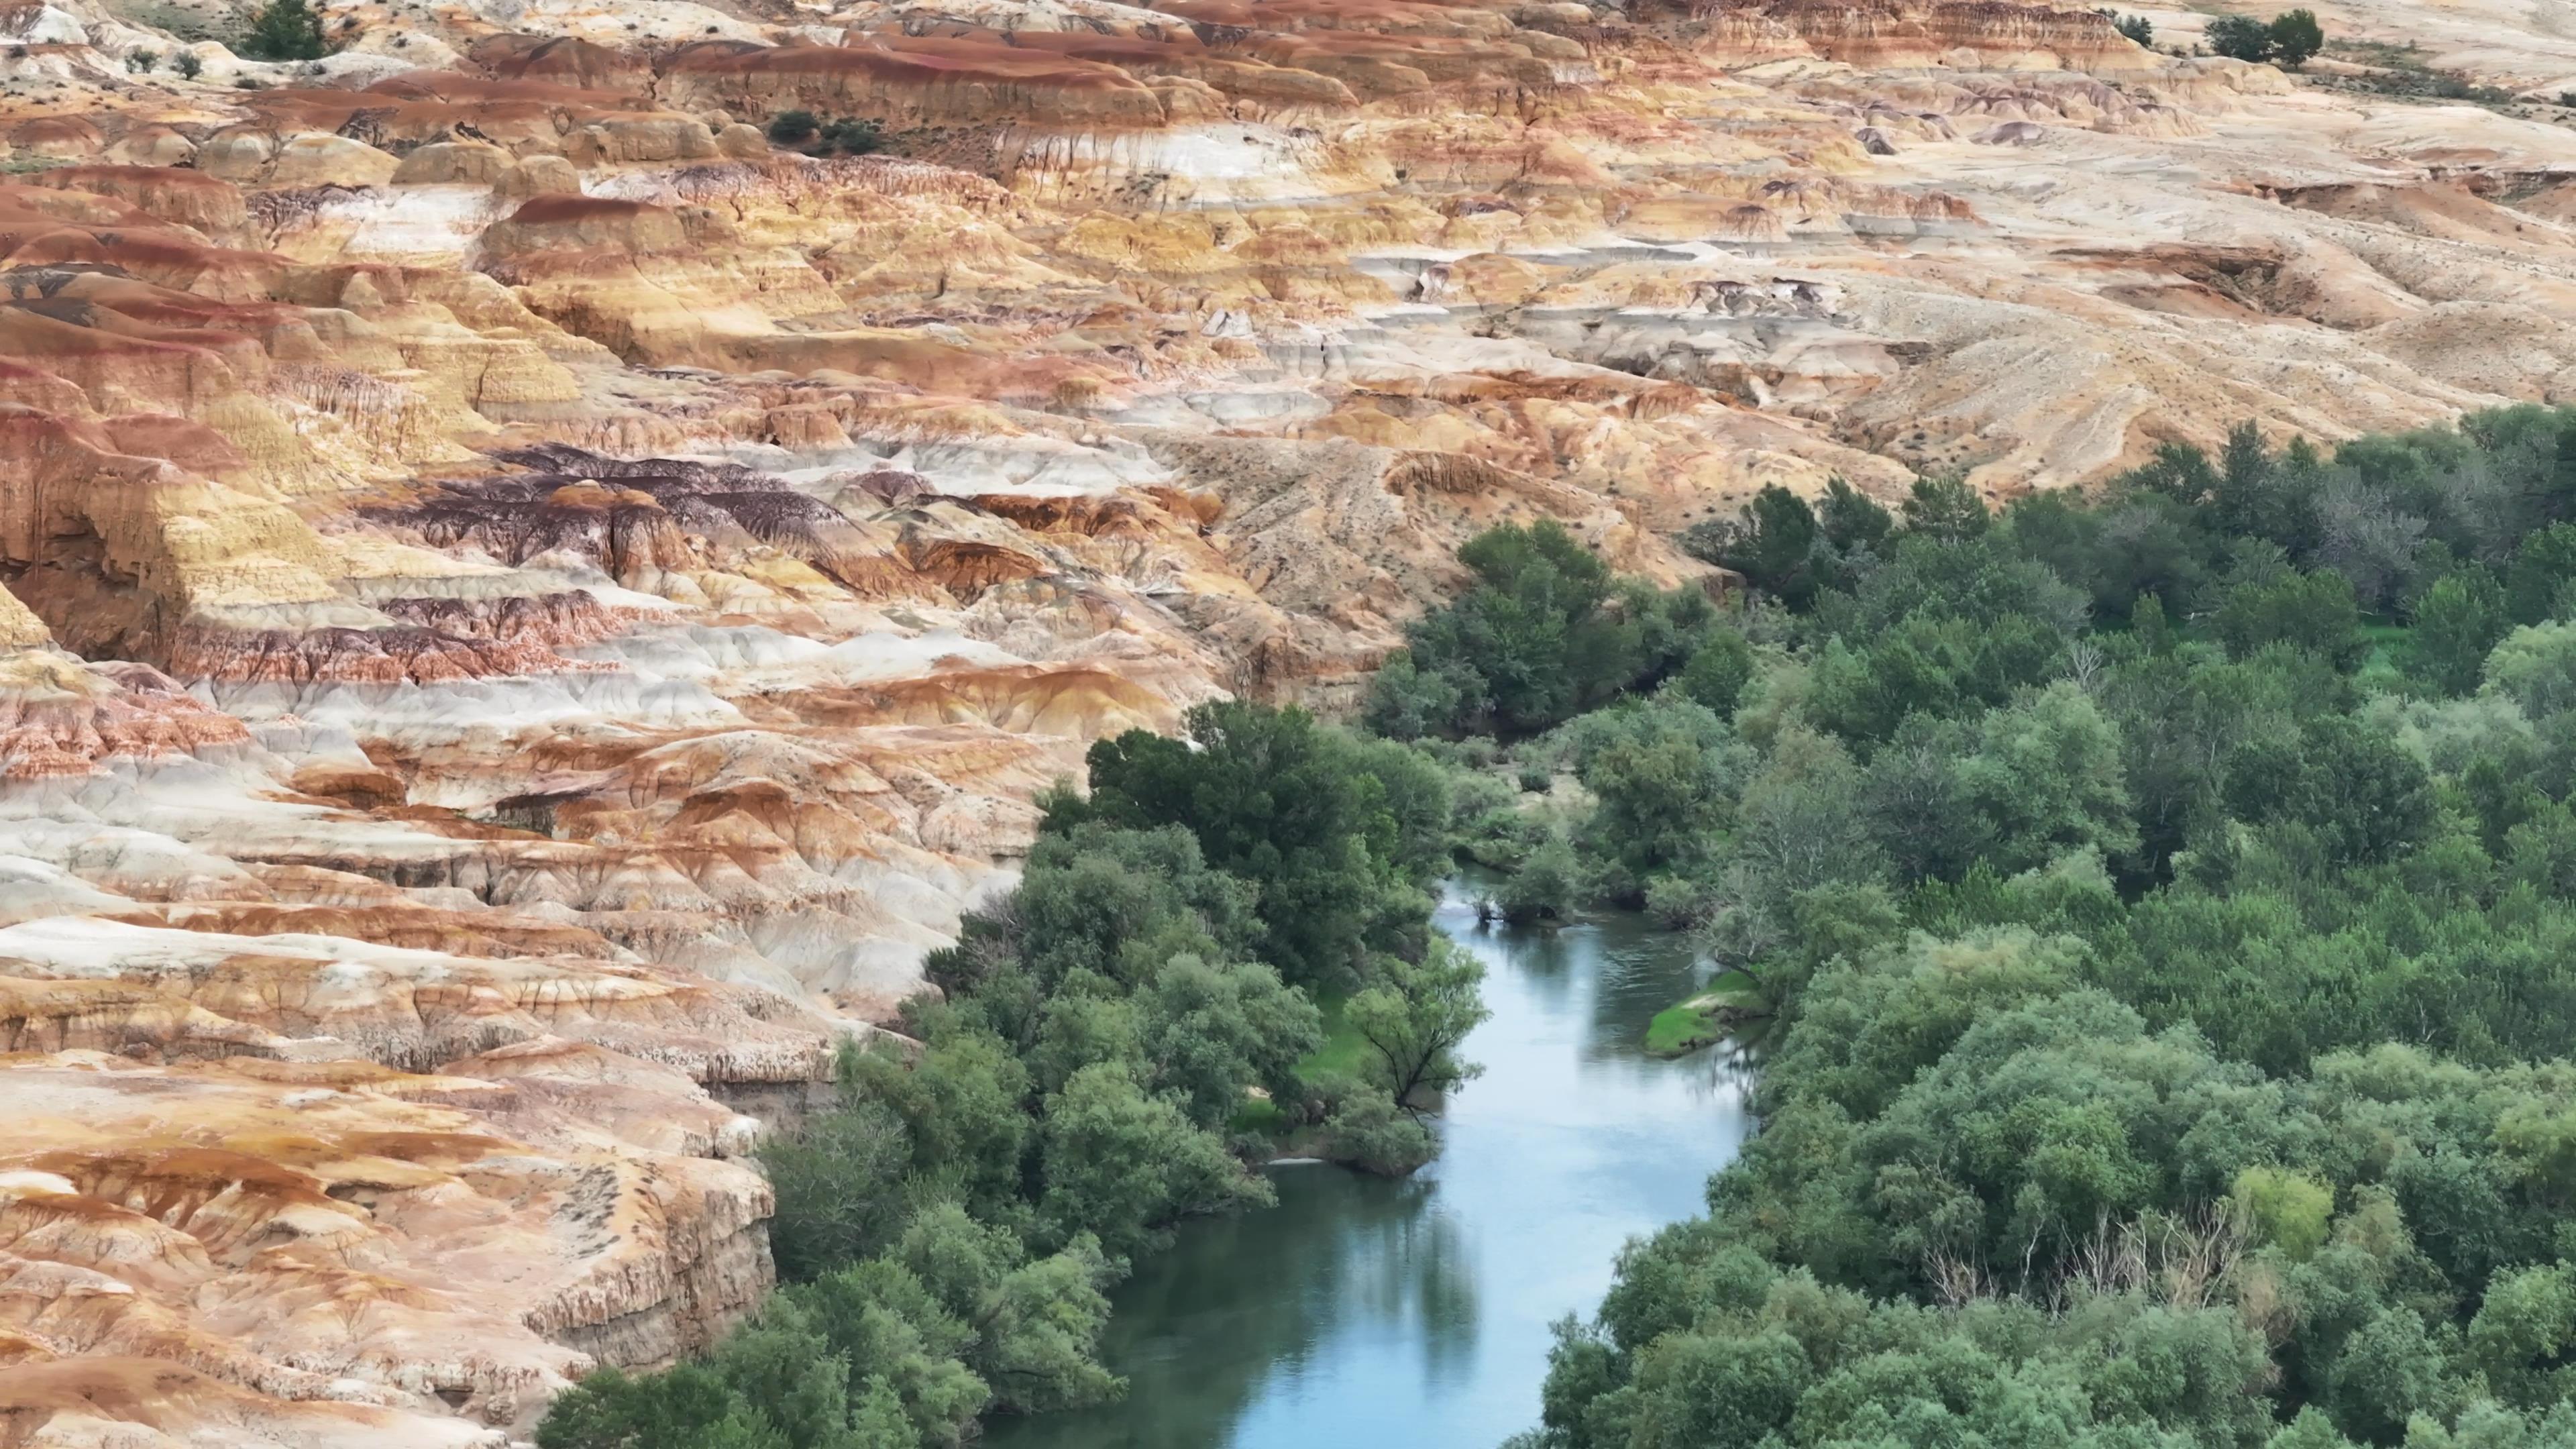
(66,1401)
(914,81)
(61,719)
(174,1241)
(1913,33)
(548,223)
(562,60)
(181,198)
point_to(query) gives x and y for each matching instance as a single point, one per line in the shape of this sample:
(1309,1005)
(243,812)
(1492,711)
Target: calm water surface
(1361,1312)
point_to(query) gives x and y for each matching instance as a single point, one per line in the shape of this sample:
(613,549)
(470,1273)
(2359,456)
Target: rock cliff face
(525,608)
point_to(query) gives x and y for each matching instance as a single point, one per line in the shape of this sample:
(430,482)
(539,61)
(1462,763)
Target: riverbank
(1718,1012)
(1366,1311)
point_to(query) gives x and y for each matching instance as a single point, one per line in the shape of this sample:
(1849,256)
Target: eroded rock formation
(525,608)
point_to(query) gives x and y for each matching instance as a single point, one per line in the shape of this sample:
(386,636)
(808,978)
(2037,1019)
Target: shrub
(1367,1132)
(2137,28)
(141,62)
(286,30)
(2240,37)
(789,128)
(852,137)
(2295,36)
(188,64)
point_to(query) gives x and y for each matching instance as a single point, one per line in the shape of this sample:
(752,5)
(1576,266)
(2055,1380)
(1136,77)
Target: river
(1363,1312)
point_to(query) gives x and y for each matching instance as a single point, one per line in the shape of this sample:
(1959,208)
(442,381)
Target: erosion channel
(1360,1311)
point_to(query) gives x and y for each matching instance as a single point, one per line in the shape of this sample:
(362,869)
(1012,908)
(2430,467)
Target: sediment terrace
(528,608)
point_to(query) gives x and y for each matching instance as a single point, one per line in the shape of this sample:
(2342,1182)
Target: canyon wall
(526,607)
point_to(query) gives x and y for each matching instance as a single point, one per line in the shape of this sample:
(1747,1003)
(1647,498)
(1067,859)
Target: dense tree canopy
(1544,632)
(2164,900)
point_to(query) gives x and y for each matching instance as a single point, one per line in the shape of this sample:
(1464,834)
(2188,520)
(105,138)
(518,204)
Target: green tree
(1368,1132)
(2284,1210)
(286,30)
(840,1188)
(1211,1032)
(1272,798)
(2357,792)
(960,1102)
(2295,36)
(1125,1166)
(1946,509)
(2457,622)
(2239,37)
(1415,1019)
(2543,565)
(1852,521)
(1717,672)
(2535,667)
(903,1347)
(1772,543)
(1665,775)
(2521,1334)
(2047,778)
(1407,702)
(1036,1324)
(2313,612)
(611,1409)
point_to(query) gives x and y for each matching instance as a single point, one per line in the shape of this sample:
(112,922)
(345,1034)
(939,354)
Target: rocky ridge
(526,608)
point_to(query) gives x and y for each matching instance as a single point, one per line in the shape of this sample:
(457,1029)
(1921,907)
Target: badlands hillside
(528,607)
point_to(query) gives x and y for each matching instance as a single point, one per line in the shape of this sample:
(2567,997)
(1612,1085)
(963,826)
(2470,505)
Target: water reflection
(1415,1313)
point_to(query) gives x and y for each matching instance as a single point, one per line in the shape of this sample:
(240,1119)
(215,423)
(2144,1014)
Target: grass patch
(1707,1018)
(1258,1117)
(2385,665)
(1344,1053)
(1678,1029)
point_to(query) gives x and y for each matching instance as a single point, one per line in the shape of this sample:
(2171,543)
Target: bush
(188,64)
(286,30)
(2138,29)
(790,128)
(141,62)
(1545,887)
(2289,41)
(1367,1132)
(2240,37)
(852,137)
(2295,36)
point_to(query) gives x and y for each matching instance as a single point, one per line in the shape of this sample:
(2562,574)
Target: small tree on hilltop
(2137,28)
(2240,37)
(286,30)
(2295,36)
